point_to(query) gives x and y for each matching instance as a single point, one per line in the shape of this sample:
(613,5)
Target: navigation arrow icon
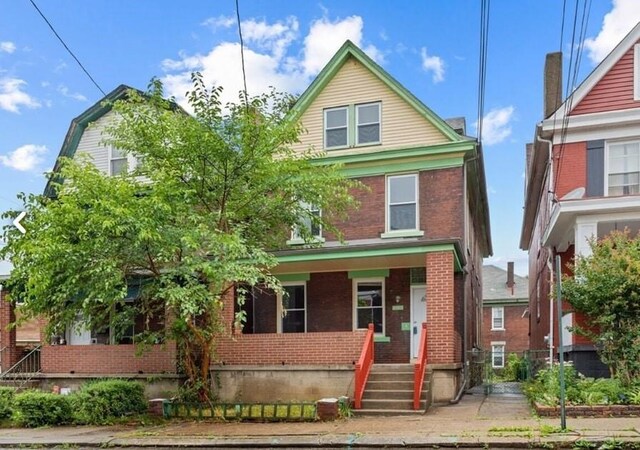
(17,220)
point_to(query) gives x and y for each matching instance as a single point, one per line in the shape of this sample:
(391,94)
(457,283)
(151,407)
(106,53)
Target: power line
(482,66)
(244,74)
(67,47)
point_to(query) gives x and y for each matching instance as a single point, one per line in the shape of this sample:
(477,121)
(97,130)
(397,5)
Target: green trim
(351,132)
(374,273)
(381,169)
(293,277)
(378,338)
(384,155)
(347,50)
(348,253)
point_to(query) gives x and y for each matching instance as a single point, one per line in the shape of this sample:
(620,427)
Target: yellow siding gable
(402,125)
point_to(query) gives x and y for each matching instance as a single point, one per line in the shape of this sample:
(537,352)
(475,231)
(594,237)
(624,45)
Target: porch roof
(365,255)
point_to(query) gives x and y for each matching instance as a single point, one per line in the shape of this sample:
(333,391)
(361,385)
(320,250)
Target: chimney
(510,282)
(552,83)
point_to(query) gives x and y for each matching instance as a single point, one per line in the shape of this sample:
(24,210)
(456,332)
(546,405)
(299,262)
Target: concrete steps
(389,391)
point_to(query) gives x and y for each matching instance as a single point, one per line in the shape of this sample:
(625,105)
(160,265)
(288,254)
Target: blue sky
(431,47)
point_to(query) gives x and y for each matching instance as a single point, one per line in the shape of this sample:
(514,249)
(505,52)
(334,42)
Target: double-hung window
(497,318)
(402,202)
(497,354)
(336,127)
(294,308)
(369,304)
(312,227)
(368,123)
(623,177)
(118,161)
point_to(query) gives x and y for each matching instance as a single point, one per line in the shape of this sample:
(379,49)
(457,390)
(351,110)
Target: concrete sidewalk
(477,421)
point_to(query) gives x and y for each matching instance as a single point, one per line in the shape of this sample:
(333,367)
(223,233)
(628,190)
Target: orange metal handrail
(363,367)
(419,368)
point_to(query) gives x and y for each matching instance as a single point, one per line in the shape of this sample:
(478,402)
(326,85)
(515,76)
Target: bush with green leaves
(102,402)
(37,409)
(6,401)
(515,369)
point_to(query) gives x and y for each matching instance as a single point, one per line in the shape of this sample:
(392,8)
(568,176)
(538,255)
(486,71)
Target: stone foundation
(446,381)
(164,386)
(589,411)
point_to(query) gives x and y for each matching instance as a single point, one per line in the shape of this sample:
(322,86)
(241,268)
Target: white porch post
(585,230)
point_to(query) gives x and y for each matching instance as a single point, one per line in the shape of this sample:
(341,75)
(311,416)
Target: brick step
(387,412)
(394,405)
(390,394)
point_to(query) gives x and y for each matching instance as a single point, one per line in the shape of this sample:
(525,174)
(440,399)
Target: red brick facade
(442,341)
(10,353)
(516,328)
(108,359)
(571,173)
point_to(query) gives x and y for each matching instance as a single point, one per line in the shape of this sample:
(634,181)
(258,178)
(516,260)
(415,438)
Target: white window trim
(131,161)
(297,240)
(280,309)
(493,317)
(415,232)
(636,72)
(355,302)
(379,122)
(324,128)
(502,344)
(607,145)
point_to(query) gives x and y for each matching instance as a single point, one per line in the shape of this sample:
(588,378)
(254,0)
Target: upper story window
(294,308)
(402,202)
(336,127)
(368,123)
(623,172)
(117,161)
(497,318)
(314,228)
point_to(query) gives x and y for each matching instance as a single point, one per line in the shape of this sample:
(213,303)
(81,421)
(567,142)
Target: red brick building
(412,255)
(581,182)
(505,313)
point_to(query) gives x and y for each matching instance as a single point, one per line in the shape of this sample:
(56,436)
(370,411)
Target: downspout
(550,195)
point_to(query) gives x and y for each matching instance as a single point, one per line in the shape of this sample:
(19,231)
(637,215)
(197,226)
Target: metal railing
(419,368)
(363,367)
(24,370)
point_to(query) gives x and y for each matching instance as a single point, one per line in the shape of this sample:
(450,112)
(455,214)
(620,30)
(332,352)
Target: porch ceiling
(360,257)
(560,231)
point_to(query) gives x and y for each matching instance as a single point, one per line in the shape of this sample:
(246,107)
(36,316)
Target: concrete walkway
(476,421)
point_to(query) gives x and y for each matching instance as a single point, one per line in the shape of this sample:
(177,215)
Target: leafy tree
(606,288)
(212,193)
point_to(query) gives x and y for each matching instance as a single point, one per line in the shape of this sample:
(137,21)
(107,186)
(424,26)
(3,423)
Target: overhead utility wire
(244,73)
(67,47)
(482,66)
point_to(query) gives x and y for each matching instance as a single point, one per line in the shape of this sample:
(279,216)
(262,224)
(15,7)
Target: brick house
(505,313)
(413,252)
(581,182)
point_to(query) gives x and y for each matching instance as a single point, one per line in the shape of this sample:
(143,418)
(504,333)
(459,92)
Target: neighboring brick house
(413,251)
(585,186)
(505,313)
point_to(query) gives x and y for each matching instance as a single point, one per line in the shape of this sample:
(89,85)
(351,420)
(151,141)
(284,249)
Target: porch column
(9,352)
(440,308)
(585,230)
(228,308)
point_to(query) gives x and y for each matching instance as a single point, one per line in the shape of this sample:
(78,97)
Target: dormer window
(336,127)
(368,124)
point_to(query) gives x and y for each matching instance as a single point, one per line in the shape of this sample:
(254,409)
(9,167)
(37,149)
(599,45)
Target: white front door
(418,315)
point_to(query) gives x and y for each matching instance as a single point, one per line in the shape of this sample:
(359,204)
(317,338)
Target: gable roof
(494,286)
(350,50)
(596,75)
(80,123)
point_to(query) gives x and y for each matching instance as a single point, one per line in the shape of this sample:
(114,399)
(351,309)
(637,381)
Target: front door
(418,315)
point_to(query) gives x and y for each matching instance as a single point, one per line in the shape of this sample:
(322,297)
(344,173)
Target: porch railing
(363,367)
(419,368)
(24,370)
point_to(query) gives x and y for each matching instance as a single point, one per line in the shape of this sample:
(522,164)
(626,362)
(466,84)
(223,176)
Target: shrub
(102,402)
(515,368)
(37,409)
(6,401)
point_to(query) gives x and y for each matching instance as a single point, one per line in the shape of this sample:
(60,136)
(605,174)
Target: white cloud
(624,15)
(267,59)
(496,125)
(12,95)
(64,90)
(219,22)
(24,158)
(7,47)
(433,64)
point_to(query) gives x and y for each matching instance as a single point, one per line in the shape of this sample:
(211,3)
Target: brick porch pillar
(440,309)
(7,335)
(228,310)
